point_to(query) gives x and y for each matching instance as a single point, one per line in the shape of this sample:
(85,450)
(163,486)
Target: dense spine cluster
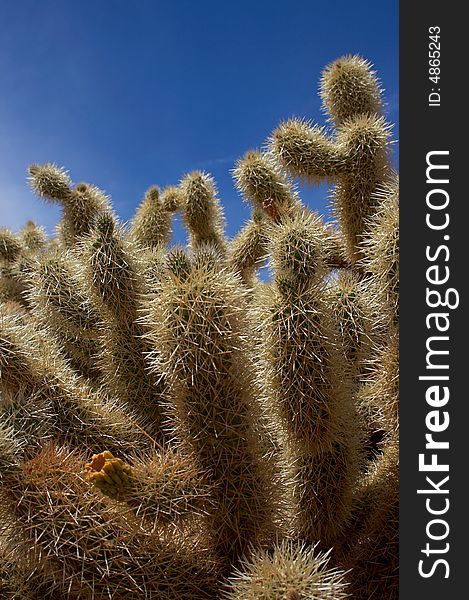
(175,425)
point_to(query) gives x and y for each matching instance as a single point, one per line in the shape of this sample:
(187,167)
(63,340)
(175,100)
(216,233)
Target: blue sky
(130,93)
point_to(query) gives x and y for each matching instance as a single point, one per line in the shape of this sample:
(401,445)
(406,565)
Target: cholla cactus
(201,211)
(164,488)
(289,572)
(175,427)
(54,295)
(81,205)
(200,327)
(355,155)
(109,268)
(248,250)
(307,382)
(33,236)
(14,262)
(90,549)
(151,226)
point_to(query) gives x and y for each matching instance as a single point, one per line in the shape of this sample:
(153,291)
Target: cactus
(10,246)
(202,211)
(14,584)
(290,572)
(376,531)
(109,267)
(162,489)
(174,426)
(33,367)
(104,552)
(307,380)
(248,250)
(33,237)
(55,298)
(381,253)
(200,326)
(259,177)
(81,205)
(151,226)
(13,263)
(355,155)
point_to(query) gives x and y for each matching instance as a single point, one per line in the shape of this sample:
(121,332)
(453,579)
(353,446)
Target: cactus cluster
(174,425)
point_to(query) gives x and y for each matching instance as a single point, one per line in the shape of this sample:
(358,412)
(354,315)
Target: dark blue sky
(130,93)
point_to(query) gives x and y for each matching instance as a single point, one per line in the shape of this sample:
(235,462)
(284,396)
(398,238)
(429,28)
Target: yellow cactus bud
(109,474)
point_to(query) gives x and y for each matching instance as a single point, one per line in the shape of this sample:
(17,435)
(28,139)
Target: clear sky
(130,93)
